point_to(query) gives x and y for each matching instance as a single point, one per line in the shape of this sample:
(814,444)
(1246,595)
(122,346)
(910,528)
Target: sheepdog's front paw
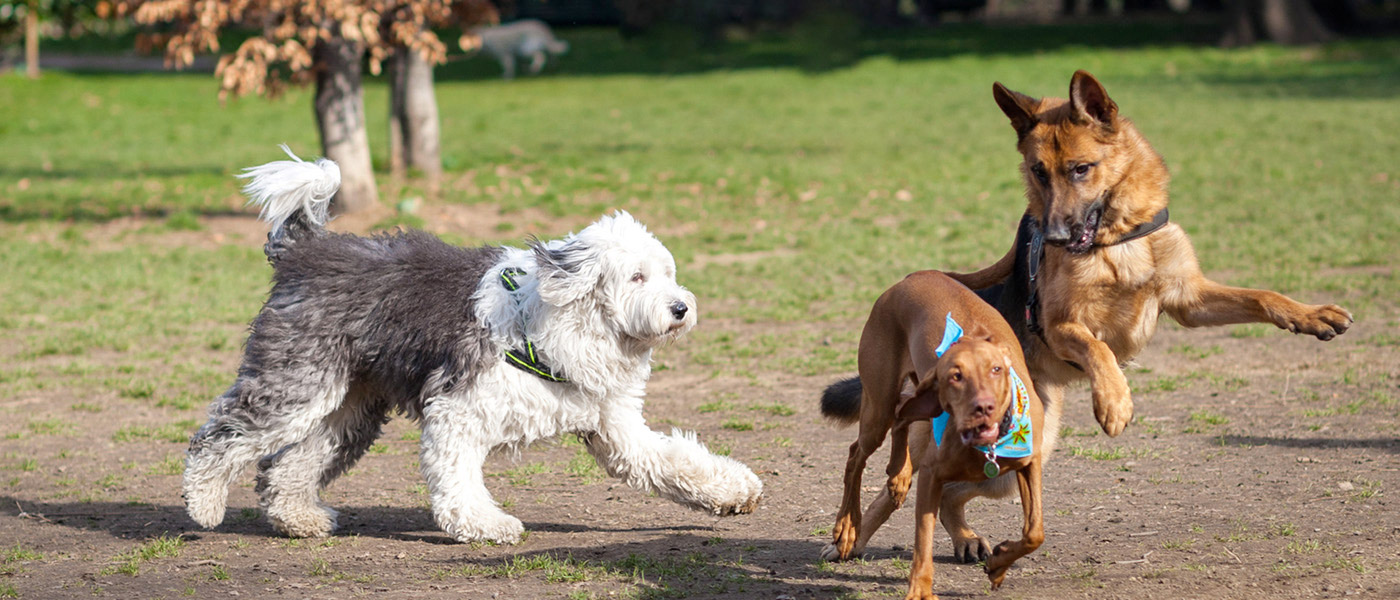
(494,527)
(741,493)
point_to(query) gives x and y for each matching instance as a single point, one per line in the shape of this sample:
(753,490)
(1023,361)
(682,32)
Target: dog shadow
(137,520)
(681,557)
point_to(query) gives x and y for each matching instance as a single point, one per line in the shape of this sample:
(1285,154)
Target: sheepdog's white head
(618,265)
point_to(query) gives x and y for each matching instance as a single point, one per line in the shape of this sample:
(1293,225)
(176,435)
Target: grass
(583,466)
(178,432)
(129,563)
(793,182)
(522,475)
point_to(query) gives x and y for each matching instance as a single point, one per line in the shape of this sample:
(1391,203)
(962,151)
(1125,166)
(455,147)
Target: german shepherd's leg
(968,547)
(1113,402)
(926,500)
(1032,533)
(989,276)
(880,397)
(1216,304)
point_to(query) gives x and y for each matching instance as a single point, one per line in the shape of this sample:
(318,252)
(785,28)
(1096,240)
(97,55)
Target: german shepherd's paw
(971,549)
(1113,407)
(1325,322)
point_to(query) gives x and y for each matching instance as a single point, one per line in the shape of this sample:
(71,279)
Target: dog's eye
(955,377)
(996,370)
(638,277)
(1082,170)
(1039,172)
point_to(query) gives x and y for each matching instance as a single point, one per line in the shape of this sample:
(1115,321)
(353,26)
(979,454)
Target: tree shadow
(826,45)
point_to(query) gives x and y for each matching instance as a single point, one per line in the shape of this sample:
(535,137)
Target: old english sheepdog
(487,348)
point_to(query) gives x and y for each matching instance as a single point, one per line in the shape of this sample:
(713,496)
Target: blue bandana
(1017,442)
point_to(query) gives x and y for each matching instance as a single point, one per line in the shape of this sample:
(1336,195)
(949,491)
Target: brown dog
(1111,261)
(976,383)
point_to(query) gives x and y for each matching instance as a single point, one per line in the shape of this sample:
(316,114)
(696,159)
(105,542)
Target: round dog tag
(990,469)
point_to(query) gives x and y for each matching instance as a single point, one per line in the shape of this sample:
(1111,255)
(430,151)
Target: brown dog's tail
(841,401)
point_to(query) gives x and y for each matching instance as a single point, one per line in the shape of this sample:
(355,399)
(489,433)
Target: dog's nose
(678,310)
(1057,232)
(983,406)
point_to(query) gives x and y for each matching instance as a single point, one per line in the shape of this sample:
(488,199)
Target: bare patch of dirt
(1262,465)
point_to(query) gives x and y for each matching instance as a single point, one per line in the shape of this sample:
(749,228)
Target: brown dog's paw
(998,564)
(921,595)
(1324,322)
(843,540)
(1113,409)
(971,550)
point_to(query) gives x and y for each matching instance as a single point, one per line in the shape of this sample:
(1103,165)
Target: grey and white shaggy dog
(486,348)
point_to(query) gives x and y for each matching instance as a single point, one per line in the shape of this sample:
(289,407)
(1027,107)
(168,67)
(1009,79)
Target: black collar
(1035,251)
(527,361)
(1158,220)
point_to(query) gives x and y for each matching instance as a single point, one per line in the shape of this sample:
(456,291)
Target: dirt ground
(1262,465)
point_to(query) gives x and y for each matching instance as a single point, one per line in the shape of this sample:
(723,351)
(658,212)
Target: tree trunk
(31,39)
(340,116)
(414,141)
(1291,22)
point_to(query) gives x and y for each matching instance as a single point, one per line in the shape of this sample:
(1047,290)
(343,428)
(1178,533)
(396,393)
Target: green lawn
(830,169)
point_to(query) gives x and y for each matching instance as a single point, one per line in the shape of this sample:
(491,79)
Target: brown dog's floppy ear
(1018,107)
(923,405)
(1089,102)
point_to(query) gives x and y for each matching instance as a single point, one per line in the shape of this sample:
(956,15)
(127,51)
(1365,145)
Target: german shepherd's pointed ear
(1018,107)
(1089,102)
(923,405)
(566,272)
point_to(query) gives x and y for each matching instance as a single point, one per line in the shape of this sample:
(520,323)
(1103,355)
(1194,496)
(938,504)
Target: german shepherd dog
(1111,262)
(1094,264)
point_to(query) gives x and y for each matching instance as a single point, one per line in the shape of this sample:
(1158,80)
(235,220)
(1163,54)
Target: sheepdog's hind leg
(244,426)
(289,481)
(454,450)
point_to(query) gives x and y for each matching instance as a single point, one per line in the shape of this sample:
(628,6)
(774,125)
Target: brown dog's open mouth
(988,432)
(984,434)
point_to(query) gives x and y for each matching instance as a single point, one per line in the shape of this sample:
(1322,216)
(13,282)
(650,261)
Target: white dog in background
(527,39)
(487,348)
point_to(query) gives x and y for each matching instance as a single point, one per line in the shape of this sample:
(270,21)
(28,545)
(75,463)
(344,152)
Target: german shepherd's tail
(294,196)
(841,401)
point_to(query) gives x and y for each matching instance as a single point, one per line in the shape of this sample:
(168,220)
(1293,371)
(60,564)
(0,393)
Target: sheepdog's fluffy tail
(841,401)
(294,196)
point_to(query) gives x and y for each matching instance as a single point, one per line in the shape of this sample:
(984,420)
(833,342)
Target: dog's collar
(1017,442)
(1158,221)
(527,361)
(1036,252)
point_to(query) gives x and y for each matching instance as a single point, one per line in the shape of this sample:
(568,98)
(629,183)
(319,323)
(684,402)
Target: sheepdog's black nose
(678,310)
